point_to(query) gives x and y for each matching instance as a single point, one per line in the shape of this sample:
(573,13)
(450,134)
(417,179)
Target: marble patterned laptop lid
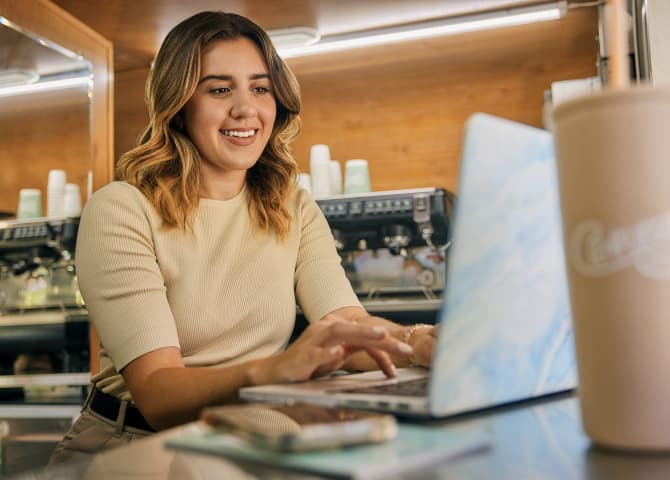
(505,327)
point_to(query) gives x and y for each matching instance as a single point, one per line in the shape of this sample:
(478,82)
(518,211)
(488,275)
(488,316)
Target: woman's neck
(221,188)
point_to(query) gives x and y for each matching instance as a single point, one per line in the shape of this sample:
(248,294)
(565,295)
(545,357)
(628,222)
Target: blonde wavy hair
(165,165)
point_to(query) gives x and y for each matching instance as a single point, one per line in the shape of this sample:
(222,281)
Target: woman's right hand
(323,348)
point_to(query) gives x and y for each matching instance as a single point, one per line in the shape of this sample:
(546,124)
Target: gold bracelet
(407,335)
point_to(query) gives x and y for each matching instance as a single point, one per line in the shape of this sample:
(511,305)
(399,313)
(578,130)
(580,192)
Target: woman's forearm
(174,395)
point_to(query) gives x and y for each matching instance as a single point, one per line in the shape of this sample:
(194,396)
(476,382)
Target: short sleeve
(320,281)
(119,276)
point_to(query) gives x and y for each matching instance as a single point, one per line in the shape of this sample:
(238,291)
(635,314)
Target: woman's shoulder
(118,196)
(114,189)
(116,192)
(301,198)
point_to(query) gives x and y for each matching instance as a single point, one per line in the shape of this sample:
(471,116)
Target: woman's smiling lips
(240,136)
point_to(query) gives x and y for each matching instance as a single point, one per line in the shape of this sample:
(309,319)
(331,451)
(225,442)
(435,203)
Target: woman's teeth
(238,133)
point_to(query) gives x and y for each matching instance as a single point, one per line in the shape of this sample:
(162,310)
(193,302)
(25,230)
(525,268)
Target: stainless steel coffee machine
(393,245)
(44,330)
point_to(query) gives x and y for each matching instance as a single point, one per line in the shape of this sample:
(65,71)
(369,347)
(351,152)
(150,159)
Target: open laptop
(504,326)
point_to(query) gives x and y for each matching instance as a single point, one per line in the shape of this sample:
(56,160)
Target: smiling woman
(230,117)
(197,257)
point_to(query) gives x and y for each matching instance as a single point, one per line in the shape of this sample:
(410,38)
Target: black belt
(108,406)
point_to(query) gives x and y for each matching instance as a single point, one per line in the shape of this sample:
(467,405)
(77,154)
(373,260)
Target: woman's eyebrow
(255,76)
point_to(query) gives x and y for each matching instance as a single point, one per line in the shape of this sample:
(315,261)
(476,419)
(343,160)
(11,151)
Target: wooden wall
(41,131)
(402,107)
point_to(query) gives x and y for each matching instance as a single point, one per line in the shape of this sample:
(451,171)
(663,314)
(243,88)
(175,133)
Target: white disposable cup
(57,177)
(335,178)
(56,193)
(319,169)
(72,200)
(612,155)
(305,181)
(356,176)
(30,203)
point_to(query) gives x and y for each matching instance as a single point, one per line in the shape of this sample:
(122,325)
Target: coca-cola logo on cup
(596,251)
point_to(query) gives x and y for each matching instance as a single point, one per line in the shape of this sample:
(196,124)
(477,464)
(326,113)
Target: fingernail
(405,348)
(335,350)
(379,330)
(394,370)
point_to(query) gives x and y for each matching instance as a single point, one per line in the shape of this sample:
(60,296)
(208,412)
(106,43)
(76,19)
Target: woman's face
(230,116)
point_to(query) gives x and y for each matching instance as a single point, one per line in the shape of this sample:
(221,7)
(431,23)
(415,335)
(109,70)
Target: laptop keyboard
(409,388)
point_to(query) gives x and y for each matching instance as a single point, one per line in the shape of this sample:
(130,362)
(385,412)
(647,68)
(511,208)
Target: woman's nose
(243,106)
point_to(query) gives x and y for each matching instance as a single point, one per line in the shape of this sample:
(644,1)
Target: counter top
(537,440)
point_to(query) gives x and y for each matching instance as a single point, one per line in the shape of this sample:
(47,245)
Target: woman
(196,258)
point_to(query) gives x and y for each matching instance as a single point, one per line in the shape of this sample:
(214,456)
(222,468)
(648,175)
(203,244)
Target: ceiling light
(45,85)
(294,37)
(432,28)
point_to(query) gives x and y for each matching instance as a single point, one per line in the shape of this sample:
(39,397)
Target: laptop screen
(505,326)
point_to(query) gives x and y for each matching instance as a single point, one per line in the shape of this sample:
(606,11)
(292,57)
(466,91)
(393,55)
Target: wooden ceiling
(136,27)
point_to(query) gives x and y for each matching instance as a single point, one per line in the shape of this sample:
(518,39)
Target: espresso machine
(393,246)
(44,329)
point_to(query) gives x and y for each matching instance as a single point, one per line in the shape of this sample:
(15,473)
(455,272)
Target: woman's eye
(262,90)
(219,90)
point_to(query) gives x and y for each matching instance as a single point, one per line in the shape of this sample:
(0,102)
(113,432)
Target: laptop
(505,332)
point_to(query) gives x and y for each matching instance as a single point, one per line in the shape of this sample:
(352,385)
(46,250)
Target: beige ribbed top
(224,294)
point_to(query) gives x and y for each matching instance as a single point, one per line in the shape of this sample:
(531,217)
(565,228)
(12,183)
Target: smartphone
(300,427)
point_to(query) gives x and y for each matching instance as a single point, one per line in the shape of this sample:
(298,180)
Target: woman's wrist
(410,330)
(408,335)
(257,373)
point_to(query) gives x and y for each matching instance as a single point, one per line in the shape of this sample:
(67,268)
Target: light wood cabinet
(36,146)
(35,137)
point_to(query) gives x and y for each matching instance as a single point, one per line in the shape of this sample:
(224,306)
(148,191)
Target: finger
(339,331)
(388,344)
(299,363)
(331,355)
(363,336)
(384,361)
(326,360)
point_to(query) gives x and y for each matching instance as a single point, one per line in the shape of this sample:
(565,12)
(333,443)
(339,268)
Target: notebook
(504,325)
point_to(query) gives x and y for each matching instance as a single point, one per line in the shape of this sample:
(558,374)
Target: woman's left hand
(422,338)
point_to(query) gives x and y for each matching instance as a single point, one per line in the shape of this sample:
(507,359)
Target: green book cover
(415,447)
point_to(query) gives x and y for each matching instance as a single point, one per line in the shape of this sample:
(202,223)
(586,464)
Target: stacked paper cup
(335,178)
(356,176)
(319,166)
(30,203)
(56,193)
(72,200)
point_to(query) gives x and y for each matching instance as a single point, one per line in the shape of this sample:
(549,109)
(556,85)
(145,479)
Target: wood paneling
(47,132)
(403,107)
